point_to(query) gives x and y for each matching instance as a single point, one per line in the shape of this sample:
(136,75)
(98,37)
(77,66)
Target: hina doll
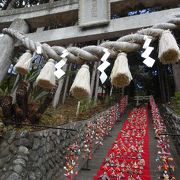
(165,175)
(111,155)
(113,174)
(104,176)
(123,164)
(120,176)
(165,166)
(138,177)
(118,154)
(130,177)
(105,167)
(117,168)
(172,177)
(135,166)
(141,162)
(115,147)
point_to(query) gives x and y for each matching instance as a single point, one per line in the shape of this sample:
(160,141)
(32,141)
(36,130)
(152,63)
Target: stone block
(20,162)
(23,150)
(18,168)
(36,144)
(14,176)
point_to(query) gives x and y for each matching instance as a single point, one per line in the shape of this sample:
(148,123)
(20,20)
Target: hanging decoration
(24,63)
(104,65)
(120,74)
(59,72)
(46,78)
(169,52)
(148,60)
(39,49)
(81,85)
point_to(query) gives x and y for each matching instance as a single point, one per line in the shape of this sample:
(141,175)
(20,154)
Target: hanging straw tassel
(120,74)
(24,63)
(46,78)
(81,85)
(168,49)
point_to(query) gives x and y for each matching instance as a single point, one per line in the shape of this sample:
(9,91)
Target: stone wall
(40,154)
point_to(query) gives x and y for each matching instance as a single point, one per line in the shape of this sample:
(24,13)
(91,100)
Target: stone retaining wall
(40,154)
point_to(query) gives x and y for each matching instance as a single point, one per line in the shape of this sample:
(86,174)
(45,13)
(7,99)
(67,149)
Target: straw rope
(128,43)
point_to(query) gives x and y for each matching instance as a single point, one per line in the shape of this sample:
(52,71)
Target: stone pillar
(176,72)
(7,46)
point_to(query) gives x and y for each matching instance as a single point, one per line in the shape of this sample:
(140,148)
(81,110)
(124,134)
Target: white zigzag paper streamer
(148,60)
(104,65)
(39,50)
(59,72)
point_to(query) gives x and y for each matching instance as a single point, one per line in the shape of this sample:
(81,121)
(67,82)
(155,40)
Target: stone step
(101,152)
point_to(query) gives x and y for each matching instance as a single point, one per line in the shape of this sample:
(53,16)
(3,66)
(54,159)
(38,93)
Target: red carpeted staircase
(128,156)
(130,153)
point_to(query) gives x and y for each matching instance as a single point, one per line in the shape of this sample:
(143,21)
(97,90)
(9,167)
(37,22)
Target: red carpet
(128,157)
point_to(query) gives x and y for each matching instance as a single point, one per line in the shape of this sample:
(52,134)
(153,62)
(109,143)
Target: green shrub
(177,95)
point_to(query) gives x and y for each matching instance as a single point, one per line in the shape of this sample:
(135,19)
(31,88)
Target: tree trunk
(93,78)
(66,85)
(22,98)
(7,109)
(161,83)
(97,78)
(176,73)
(7,46)
(15,86)
(166,84)
(97,84)
(58,91)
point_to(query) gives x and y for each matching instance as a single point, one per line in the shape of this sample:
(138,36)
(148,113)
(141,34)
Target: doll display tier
(128,157)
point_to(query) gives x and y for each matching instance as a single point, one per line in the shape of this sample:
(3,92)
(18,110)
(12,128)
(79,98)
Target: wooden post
(110,94)
(7,46)
(78,108)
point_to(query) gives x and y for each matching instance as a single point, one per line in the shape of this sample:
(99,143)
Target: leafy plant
(7,85)
(108,100)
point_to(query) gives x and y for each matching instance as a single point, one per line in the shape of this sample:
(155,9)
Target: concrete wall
(66,11)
